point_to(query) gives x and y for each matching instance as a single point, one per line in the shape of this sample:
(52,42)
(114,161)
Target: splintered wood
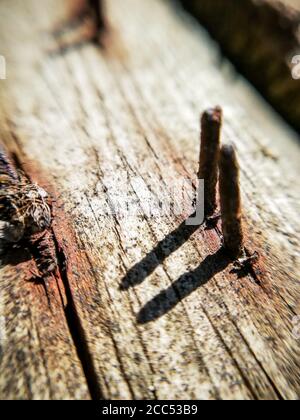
(141,305)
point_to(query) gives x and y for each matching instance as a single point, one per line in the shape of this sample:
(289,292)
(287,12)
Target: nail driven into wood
(231,206)
(211,124)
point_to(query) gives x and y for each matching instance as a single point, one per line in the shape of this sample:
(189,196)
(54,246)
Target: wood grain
(143,306)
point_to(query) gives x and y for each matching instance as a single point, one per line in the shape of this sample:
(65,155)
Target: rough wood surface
(143,306)
(262,38)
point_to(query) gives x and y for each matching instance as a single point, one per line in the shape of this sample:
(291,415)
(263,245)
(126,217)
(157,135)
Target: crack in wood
(52,263)
(75,326)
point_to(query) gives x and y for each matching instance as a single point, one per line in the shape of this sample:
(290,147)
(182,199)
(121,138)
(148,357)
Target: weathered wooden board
(262,38)
(151,306)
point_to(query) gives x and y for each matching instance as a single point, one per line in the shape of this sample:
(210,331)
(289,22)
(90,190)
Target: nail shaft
(211,123)
(231,207)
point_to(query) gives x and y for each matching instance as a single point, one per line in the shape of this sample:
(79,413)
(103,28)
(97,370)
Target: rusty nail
(230,197)
(211,124)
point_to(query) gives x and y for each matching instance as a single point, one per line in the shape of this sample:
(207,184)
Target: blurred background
(262,38)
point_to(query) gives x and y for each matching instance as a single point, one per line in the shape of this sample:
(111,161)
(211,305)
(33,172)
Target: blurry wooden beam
(263,39)
(143,306)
